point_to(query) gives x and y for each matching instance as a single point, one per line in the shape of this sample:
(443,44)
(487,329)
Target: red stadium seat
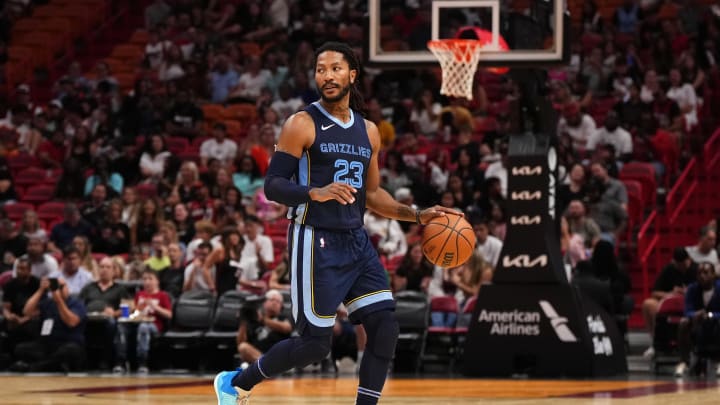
(50,211)
(22,161)
(17,210)
(146,190)
(31,176)
(39,194)
(645,174)
(177,144)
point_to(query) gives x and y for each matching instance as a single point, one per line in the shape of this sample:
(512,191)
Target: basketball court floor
(111,390)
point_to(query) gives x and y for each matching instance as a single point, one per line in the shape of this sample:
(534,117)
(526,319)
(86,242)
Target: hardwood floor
(78,390)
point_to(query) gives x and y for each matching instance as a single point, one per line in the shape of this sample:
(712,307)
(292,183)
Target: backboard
(399,30)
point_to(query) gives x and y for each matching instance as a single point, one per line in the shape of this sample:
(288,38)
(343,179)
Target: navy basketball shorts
(330,267)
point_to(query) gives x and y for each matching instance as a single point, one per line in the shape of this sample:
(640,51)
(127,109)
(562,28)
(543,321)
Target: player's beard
(342,93)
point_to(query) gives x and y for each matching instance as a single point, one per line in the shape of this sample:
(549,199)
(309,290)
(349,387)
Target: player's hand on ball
(340,192)
(437,211)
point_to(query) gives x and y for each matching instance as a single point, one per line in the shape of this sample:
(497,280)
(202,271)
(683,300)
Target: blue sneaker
(226,393)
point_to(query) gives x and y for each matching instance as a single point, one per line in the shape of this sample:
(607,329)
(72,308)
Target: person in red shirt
(149,302)
(52,152)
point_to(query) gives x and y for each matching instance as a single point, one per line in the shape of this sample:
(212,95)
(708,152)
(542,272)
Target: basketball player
(325,169)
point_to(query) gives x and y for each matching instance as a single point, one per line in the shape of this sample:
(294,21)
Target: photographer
(62,332)
(261,328)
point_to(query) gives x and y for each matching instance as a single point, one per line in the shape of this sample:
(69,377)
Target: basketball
(448,241)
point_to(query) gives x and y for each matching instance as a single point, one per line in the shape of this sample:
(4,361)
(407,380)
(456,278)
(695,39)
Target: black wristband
(417,217)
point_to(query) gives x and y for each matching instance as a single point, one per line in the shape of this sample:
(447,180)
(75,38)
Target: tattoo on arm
(406,213)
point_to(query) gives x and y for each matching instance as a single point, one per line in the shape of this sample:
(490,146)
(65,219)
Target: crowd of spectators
(198,222)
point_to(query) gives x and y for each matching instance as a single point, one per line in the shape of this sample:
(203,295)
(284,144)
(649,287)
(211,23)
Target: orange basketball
(448,241)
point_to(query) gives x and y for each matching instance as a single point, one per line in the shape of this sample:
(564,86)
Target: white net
(459,60)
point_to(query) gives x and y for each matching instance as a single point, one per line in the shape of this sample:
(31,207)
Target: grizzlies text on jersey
(341,153)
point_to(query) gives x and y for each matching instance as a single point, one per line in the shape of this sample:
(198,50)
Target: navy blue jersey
(341,153)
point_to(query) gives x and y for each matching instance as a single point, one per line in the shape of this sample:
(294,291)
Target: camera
(54,285)
(249,310)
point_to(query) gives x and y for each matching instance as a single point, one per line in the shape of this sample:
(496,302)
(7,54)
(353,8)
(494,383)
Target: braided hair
(357,102)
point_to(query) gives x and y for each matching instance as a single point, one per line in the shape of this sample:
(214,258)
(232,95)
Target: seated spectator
(159,258)
(12,244)
(580,224)
(247,179)
(155,48)
(385,127)
(153,159)
(102,300)
(30,226)
(251,81)
(705,251)
(113,234)
(147,224)
(16,293)
(425,114)
(104,175)
(257,254)
(82,245)
(574,189)
(184,118)
(673,279)
(42,264)
(183,224)
(188,181)
(227,262)
(629,112)
(498,170)
(171,68)
(218,147)
(204,231)
(61,346)
(468,277)
(699,326)
(607,214)
(613,134)
(155,305)
(386,234)
(286,104)
(172,277)
(414,273)
(686,98)
(62,234)
(51,152)
(13,129)
(223,79)
(262,151)
(613,189)
(196,279)
(578,125)
(280,277)
(72,272)
(261,328)
(487,245)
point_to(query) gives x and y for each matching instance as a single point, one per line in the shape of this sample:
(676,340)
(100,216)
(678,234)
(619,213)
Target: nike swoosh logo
(325,128)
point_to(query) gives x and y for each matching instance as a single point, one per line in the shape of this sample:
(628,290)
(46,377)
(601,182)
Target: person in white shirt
(499,170)
(257,255)
(152,161)
(425,114)
(252,81)
(576,124)
(488,245)
(218,147)
(74,275)
(155,49)
(650,86)
(686,98)
(195,278)
(41,263)
(612,134)
(387,232)
(286,105)
(705,251)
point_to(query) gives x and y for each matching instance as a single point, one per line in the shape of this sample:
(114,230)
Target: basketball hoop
(459,58)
